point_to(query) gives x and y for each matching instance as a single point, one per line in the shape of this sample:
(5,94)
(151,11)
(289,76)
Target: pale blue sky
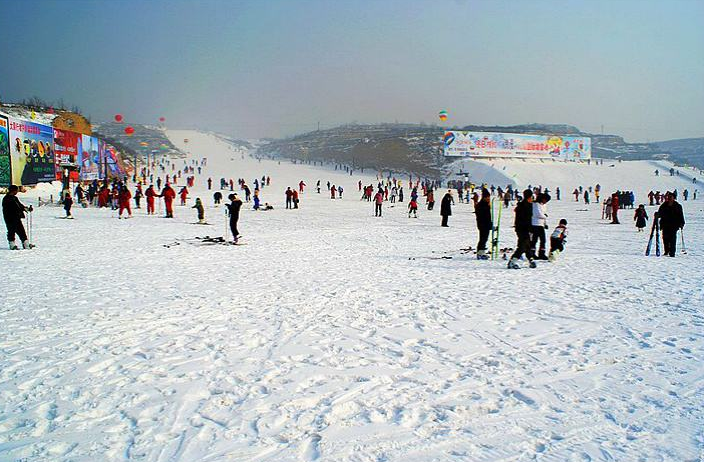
(273,68)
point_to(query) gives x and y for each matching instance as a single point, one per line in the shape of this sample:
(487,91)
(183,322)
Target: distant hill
(114,133)
(418,148)
(684,151)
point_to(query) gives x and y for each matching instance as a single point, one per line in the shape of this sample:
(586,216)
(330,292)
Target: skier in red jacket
(301,185)
(184,195)
(151,194)
(169,195)
(123,200)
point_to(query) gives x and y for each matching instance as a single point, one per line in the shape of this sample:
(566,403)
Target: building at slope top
(38,146)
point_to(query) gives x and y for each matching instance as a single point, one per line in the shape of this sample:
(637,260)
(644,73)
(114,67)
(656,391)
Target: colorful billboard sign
(5,170)
(66,148)
(31,152)
(513,145)
(89,159)
(110,155)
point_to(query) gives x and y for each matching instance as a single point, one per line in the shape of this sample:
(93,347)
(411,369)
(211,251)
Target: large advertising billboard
(31,152)
(513,145)
(66,148)
(5,172)
(111,157)
(89,158)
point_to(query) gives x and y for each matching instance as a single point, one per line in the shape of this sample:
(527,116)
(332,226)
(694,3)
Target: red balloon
(129,131)
(118,117)
(162,119)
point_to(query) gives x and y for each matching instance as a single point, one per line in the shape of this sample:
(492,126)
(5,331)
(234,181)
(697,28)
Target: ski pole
(225,224)
(684,247)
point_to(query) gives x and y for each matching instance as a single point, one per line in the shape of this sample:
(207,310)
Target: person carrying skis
(640,217)
(201,211)
(123,200)
(446,207)
(558,238)
(13,213)
(169,195)
(233,210)
(523,225)
(378,200)
(671,220)
(484,223)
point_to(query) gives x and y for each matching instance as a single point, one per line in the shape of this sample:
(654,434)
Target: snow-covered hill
(637,176)
(333,335)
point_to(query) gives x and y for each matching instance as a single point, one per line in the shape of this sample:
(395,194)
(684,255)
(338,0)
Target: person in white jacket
(539,224)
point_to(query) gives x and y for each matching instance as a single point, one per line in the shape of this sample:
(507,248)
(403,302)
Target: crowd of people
(530,221)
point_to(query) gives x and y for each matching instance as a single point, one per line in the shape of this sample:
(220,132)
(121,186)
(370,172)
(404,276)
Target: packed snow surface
(333,335)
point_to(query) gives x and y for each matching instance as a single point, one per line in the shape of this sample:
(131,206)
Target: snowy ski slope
(637,176)
(337,336)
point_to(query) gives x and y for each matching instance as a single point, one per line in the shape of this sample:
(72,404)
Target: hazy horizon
(276,68)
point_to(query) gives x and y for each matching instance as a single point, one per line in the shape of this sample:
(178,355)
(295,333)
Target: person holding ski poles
(671,220)
(13,213)
(484,223)
(523,226)
(233,210)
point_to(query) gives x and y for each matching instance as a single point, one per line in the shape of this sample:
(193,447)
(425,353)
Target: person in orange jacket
(169,195)
(123,200)
(151,194)
(184,195)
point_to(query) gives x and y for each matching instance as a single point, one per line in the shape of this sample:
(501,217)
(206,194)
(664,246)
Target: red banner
(66,146)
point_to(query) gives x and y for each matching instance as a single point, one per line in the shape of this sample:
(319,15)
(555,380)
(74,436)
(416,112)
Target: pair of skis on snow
(495,226)
(654,231)
(203,241)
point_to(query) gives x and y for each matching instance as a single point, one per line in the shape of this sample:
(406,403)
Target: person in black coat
(446,207)
(233,209)
(13,213)
(522,225)
(671,220)
(484,223)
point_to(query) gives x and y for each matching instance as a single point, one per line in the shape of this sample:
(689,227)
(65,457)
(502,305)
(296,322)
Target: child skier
(201,211)
(558,238)
(640,217)
(413,207)
(68,202)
